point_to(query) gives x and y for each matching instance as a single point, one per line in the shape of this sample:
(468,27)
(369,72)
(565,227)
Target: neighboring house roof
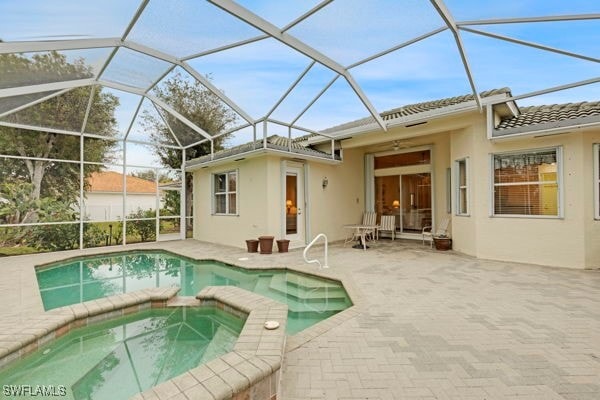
(536,118)
(274,142)
(112,182)
(415,109)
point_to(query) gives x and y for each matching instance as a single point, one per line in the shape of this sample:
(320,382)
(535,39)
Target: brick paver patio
(426,325)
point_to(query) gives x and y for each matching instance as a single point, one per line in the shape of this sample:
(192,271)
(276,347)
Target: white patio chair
(442,230)
(388,224)
(370,218)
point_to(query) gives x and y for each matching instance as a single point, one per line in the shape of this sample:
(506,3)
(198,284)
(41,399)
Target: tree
(47,178)
(201,107)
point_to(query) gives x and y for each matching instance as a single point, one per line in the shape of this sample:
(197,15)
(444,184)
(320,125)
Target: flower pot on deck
(442,243)
(283,245)
(252,245)
(266,244)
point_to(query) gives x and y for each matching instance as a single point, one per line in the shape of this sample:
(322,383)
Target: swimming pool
(310,299)
(118,358)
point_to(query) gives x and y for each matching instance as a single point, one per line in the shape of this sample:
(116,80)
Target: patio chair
(370,218)
(388,224)
(442,230)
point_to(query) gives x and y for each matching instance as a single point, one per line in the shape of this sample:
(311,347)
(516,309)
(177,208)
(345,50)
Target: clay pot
(283,245)
(442,243)
(266,244)
(252,245)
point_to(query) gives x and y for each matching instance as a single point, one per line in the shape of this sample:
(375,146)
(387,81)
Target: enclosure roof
(301,65)
(273,142)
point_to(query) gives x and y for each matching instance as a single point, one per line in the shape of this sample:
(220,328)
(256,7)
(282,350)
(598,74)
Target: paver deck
(426,325)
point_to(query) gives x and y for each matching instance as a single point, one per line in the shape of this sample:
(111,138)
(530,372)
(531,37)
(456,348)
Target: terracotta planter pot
(266,244)
(283,245)
(252,245)
(442,243)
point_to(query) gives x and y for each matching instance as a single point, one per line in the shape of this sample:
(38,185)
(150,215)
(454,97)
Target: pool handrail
(326,265)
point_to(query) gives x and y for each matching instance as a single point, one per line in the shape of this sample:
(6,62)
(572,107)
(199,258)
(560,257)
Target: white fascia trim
(455,109)
(546,132)
(259,152)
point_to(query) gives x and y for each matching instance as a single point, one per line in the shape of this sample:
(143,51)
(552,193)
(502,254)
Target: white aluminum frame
(457,187)
(596,174)
(269,30)
(227,192)
(559,183)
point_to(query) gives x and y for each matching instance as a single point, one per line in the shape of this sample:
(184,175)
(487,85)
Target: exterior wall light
(325,182)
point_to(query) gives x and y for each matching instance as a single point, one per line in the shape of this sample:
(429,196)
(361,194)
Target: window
(403,159)
(225,193)
(597,181)
(462,189)
(527,183)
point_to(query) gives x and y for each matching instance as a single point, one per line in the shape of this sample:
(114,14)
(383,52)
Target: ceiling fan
(395,145)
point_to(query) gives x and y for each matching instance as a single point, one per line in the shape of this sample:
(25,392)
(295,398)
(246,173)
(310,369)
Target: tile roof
(274,142)
(112,182)
(417,108)
(535,115)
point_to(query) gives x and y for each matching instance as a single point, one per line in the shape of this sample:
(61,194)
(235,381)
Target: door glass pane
(387,197)
(416,202)
(291,204)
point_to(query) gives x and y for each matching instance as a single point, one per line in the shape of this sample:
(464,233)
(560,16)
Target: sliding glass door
(403,189)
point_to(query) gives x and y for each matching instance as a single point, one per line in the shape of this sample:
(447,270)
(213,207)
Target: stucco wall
(591,226)
(569,241)
(464,227)
(252,219)
(342,201)
(548,241)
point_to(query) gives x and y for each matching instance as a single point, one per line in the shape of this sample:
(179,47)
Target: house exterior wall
(567,241)
(252,219)
(109,206)
(591,225)
(342,201)
(549,241)
(462,147)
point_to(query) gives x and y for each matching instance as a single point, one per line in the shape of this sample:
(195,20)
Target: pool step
(311,305)
(287,286)
(307,282)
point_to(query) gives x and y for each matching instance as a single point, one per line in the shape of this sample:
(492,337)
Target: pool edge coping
(294,341)
(256,358)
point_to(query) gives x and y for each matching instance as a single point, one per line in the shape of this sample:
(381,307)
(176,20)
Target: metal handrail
(320,235)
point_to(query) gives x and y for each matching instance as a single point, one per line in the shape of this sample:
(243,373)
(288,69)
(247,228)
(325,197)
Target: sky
(256,75)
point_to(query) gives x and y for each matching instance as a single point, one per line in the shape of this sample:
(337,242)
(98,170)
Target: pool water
(309,299)
(118,358)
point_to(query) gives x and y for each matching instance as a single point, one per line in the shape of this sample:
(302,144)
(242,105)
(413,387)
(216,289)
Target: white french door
(294,206)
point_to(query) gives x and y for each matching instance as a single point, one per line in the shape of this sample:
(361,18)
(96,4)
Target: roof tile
(109,181)
(551,113)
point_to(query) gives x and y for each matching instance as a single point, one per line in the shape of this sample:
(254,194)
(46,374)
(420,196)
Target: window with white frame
(527,183)
(225,193)
(462,187)
(597,181)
